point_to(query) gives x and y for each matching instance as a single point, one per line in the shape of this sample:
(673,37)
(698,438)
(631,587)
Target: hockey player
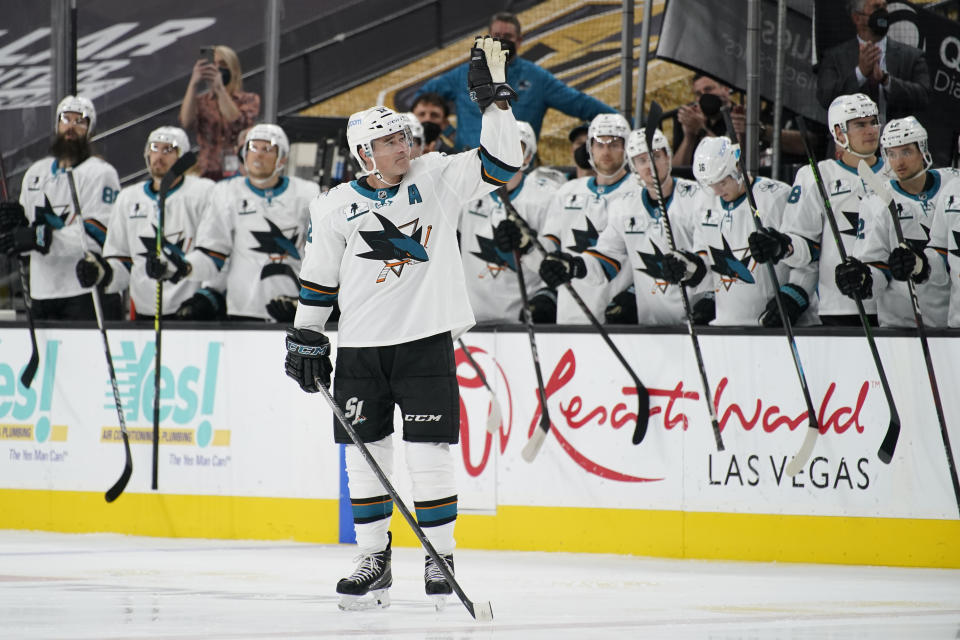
(636,236)
(53,237)
(491,271)
(132,234)
(260,223)
(720,240)
(385,246)
(806,240)
(879,267)
(578,212)
(945,244)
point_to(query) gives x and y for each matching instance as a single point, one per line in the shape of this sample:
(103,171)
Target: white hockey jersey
(46,194)
(742,286)
(390,256)
(944,244)
(262,232)
(805,221)
(491,275)
(635,240)
(878,239)
(132,236)
(577,215)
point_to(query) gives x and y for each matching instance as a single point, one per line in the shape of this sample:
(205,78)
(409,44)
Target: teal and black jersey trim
(95,230)
(610,266)
(494,171)
(317,295)
(554,239)
(367,510)
(433,513)
(218,258)
(814,249)
(126,261)
(884,269)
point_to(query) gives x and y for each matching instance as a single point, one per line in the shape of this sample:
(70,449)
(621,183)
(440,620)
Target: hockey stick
(893,429)
(495,417)
(481,611)
(653,121)
(643,395)
(26,378)
(878,187)
(183,163)
(806,448)
(532,448)
(113,492)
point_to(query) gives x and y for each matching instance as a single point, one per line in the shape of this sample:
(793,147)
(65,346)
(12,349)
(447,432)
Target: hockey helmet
(903,131)
(637,143)
(77,104)
(416,128)
(607,125)
(715,159)
(175,136)
(529,141)
(271,133)
(363,127)
(843,109)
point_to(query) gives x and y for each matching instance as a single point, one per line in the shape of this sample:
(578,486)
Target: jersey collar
(271,193)
(923,196)
(651,206)
(876,168)
(599,190)
(375,194)
(730,206)
(148,189)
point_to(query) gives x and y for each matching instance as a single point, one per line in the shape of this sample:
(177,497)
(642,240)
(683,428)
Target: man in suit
(894,75)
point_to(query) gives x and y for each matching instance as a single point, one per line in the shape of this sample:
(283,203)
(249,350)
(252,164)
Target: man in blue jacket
(536,87)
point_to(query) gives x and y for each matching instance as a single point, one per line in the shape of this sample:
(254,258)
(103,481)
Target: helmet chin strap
(607,175)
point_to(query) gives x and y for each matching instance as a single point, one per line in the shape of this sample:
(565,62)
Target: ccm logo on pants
(421,418)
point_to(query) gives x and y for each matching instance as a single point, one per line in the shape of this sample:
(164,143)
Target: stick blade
(482,612)
(30,370)
(643,415)
(799,461)
(114,492)
(495,419)
(889,444)
(532,448)
(716,434)
(874,182)
(654,116)
(179,167)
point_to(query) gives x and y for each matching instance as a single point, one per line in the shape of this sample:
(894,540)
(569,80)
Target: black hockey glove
(560,267)
(622,308)
(853,279)
(94,269)
(509,235)
(205,304)
(795,302)
(11,216)
(22,239)
(685,267)
(768,245)
(283,308)
(173,266)
(308,358)
(704,310)
(486,75)
(905,263)
(543,307)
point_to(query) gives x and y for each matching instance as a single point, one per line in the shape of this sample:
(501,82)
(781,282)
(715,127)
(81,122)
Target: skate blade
(439,601)
(379,599)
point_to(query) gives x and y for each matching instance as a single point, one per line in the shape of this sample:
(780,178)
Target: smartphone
(207,54)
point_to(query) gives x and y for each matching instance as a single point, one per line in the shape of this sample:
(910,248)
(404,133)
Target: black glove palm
(853,279)
(283,308)
(205,304)
(795,301)
(308,358)
(94,269)
(683,266)
(558,268)
(906,263)
(509,236)
(768,245)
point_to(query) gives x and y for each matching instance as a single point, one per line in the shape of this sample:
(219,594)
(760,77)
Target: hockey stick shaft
(643,395)
(473,363)
(806,448)
(496,415)
(26,379)
(653,122)
(533,445)
(114,492)
(480,611)
(889,443)
(877,185)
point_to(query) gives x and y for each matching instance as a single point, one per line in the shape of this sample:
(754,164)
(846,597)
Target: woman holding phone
(217,108)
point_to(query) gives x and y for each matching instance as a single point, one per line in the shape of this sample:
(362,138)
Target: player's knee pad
(431,470)
(363,481)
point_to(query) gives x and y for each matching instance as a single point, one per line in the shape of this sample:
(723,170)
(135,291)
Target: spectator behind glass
(578,149)
(220,113)
(431,107)
(537,89)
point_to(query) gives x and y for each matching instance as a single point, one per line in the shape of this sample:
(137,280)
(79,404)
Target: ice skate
(434,583)
(368,587)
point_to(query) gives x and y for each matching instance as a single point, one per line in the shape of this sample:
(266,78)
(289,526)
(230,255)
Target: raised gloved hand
(509,235)
(559,267)
(853,279)
(283,308)
(795,301)
(308,358)
(173,266)
(683,267)
(205,304)
(905,263)
(768,245)
(487,75)
(93,269)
